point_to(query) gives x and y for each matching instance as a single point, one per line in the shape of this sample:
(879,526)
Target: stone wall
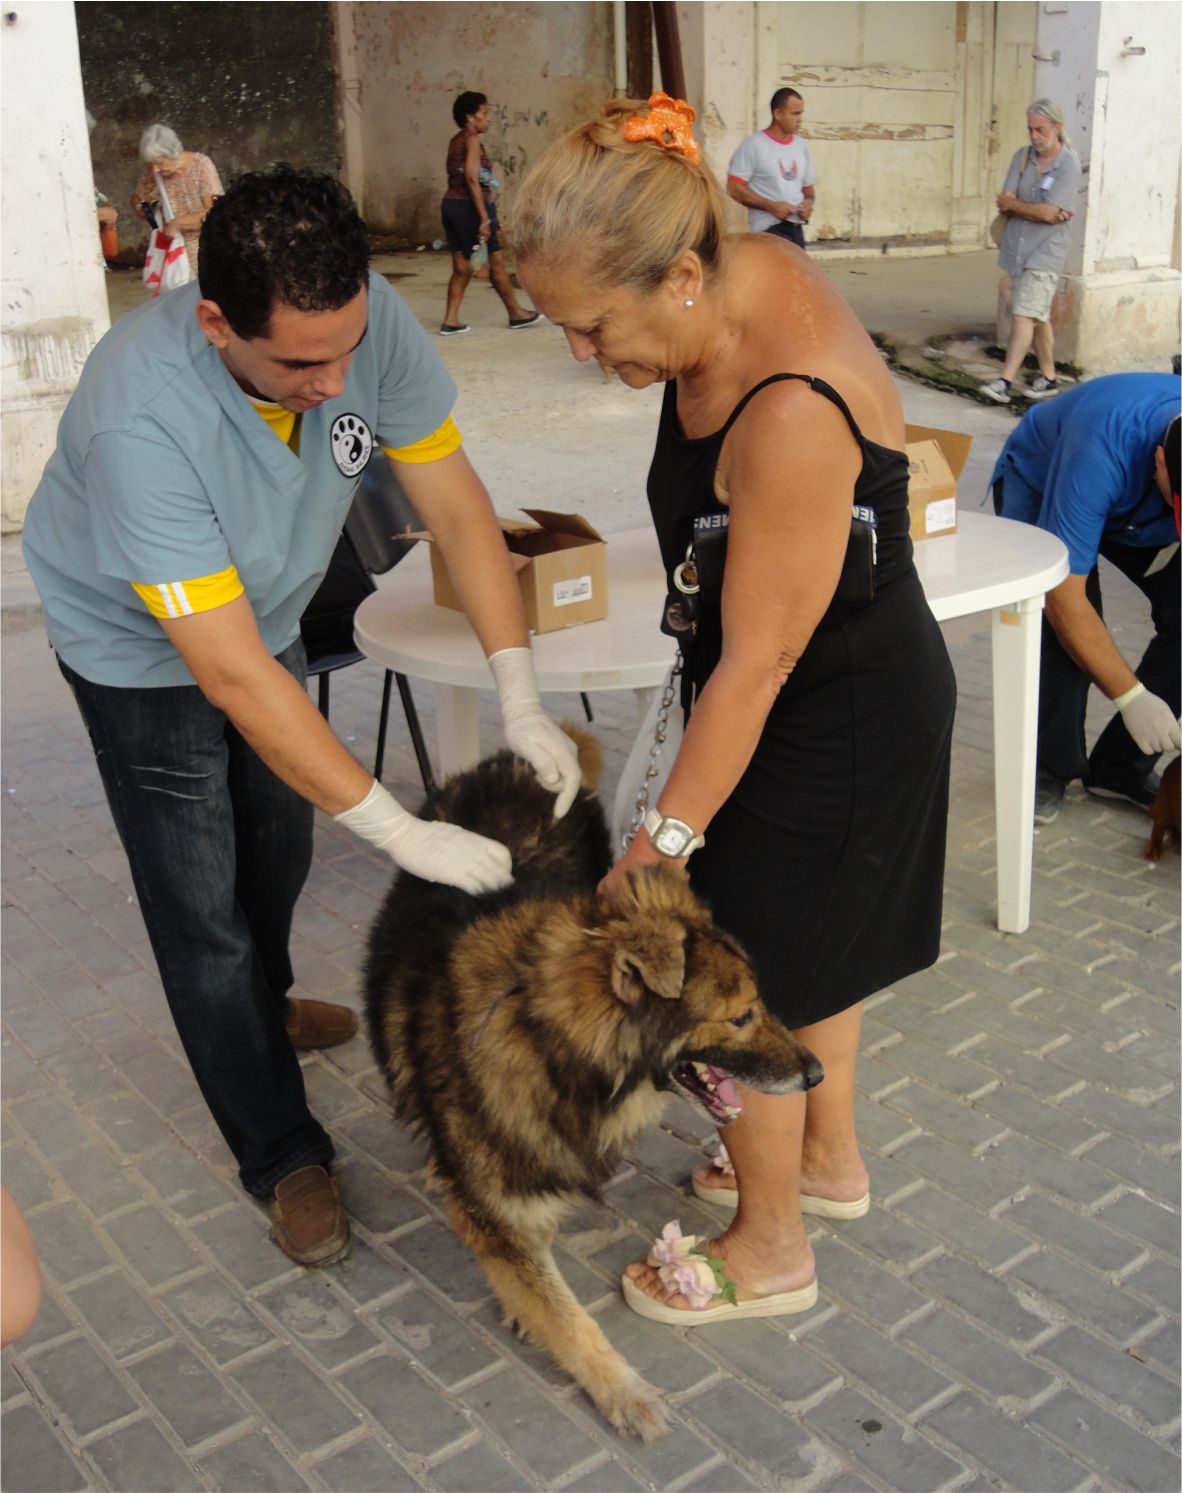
(249,85)
(54,296)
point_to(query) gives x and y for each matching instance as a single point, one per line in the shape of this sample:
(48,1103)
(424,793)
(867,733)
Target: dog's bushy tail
(590,754)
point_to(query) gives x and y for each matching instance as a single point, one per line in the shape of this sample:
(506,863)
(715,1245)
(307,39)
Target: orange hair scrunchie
(668,123)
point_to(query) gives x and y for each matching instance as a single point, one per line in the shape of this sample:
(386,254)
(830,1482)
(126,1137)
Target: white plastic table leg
(1017,634)
(457,727)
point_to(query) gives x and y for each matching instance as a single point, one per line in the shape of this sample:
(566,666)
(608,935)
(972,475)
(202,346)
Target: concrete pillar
(54,292)
(349,100)
(1114,67)
(718,43)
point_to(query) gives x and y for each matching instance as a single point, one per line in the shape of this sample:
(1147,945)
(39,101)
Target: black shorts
(461,225)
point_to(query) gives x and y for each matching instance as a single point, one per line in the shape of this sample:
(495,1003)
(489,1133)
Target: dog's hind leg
(521,1270)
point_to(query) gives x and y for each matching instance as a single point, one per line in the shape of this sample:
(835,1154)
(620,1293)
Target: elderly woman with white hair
(190,181)
(1037,202)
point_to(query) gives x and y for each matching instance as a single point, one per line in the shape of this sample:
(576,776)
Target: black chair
(367,547)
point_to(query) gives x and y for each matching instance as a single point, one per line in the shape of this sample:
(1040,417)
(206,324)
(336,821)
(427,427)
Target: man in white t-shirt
(771,173)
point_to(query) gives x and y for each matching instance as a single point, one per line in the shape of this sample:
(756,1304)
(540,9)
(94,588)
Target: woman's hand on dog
(639,854)
(433,851)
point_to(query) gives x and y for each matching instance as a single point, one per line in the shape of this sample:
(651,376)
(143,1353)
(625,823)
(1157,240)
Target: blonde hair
(624,210)
(1049,109)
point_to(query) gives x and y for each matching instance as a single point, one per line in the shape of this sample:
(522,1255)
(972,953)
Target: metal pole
(669,47)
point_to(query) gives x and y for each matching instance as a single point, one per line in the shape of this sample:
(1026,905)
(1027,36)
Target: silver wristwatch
(671,837)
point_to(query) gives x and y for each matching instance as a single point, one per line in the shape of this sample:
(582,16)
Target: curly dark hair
(466,104)
(284,236)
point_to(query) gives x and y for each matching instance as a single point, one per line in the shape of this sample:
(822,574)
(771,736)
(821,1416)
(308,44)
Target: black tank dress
(827,860)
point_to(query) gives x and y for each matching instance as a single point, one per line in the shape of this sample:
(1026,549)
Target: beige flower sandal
(702,1279)
(728,1197)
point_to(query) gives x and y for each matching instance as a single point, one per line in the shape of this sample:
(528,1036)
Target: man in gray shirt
(1037,200)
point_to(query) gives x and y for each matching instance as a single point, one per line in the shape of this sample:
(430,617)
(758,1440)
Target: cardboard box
(561,565)
(936,459)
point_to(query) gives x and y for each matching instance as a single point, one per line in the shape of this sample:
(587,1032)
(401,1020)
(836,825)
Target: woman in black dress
(816,752)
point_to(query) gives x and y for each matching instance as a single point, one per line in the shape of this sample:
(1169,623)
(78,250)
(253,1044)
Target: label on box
(566,593)
(940,515)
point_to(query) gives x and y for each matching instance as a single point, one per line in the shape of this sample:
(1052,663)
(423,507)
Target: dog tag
(685,577)
(675,615)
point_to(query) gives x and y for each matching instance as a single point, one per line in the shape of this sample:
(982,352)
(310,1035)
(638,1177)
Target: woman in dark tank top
(470,217)
(815,759)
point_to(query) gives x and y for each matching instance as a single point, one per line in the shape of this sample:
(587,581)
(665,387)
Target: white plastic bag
(166,266)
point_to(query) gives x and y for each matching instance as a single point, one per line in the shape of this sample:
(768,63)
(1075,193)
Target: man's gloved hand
(1148,720)
(530,732)
(436,852)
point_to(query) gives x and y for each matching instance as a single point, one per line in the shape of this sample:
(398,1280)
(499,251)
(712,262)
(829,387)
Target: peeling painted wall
(53,296)
(249,85)
(900,110)
(1115,69)
(544,68)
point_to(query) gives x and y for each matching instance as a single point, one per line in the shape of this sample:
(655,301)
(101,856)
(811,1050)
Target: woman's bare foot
(756,1269)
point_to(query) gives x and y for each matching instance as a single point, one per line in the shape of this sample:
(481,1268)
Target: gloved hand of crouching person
(1148,720)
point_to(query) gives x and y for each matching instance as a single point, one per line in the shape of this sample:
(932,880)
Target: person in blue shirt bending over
(1098,467)
(203,473)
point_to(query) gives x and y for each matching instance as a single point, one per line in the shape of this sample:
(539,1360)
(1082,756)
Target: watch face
(672,837)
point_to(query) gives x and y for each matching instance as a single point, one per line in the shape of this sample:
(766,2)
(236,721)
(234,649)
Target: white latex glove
(1148,720)
(436,852)
(530,732)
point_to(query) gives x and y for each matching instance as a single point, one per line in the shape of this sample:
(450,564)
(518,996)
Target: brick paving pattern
(1006,1315)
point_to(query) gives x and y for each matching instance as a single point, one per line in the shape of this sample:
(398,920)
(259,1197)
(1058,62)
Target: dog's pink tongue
(728,1093)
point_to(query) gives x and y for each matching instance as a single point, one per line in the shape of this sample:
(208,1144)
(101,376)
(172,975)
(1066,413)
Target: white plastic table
(990,564)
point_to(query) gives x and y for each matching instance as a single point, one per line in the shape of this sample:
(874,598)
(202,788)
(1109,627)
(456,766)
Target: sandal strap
(684,1266)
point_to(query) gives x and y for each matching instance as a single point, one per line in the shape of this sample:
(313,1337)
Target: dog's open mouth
(713,1088)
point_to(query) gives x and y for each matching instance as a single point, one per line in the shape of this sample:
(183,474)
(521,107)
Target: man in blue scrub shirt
(1098,466)
(203,472)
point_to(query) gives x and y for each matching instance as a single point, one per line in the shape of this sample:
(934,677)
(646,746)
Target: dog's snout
(813,1073)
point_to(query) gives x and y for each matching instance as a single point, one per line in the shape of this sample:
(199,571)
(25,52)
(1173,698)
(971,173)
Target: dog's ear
(650,959)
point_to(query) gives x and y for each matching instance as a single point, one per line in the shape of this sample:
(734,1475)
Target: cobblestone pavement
(1007,1315)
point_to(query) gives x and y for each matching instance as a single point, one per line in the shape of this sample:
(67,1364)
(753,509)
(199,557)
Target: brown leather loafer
(318,1024)
(308,1219)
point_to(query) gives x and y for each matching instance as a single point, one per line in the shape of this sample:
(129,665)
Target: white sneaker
(998,391)
(1042,387)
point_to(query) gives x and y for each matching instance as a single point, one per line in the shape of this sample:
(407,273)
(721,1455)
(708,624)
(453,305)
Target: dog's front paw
(637,1408)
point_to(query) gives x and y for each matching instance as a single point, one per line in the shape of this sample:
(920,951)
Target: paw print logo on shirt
(352,444)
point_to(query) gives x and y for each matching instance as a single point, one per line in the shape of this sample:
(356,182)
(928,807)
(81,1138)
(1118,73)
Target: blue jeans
(219,850)
(793,232)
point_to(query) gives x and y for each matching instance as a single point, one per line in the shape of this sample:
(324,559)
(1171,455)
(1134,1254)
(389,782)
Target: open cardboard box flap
(954,444)
(562,523)
(560,564)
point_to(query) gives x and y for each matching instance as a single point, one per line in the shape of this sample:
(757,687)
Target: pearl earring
(688,303)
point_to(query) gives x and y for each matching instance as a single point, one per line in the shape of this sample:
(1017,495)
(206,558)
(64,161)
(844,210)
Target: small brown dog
(1166,831)
(528,1034)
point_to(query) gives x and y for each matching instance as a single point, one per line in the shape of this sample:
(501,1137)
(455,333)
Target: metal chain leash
(652,767)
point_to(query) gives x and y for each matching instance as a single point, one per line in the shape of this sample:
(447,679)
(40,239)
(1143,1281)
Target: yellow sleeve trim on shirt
(183,598)
(431,448)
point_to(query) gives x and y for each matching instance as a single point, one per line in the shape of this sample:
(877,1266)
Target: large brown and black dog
(527,1035)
